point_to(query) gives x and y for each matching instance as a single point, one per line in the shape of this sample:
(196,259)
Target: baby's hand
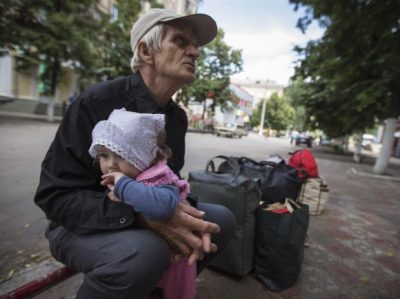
(112,197)
(110,179)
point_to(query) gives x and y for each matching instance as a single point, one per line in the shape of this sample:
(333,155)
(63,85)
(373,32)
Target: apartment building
(259,89)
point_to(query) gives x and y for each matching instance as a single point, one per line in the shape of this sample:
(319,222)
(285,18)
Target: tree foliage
(294,93)
(116,49)
(351,75)
(216,63)
(279,114)
(51,33)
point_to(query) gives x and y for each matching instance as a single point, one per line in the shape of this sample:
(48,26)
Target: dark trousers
(127,263)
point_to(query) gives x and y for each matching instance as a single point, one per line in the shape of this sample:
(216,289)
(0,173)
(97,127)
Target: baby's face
(111,162)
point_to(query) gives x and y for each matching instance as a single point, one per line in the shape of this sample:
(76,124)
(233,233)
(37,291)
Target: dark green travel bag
(241,195)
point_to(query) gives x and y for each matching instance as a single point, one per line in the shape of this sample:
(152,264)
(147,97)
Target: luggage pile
(315,191)
(270,200)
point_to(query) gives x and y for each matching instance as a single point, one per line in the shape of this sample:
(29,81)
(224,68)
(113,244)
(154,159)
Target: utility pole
(260,132)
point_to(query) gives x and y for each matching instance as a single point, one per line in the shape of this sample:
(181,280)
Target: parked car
(367,141)
(230,130)
(326,141)
(304,138)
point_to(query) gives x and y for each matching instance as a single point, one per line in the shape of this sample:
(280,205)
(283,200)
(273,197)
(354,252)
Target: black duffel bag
(279,245)
(278,181)
(242,196)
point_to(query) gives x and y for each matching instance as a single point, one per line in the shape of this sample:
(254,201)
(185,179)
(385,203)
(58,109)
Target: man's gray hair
(152,39)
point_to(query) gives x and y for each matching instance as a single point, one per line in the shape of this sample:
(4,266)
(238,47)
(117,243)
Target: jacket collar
(141,98)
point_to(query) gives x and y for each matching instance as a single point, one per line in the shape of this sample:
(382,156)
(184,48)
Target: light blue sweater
(154,202)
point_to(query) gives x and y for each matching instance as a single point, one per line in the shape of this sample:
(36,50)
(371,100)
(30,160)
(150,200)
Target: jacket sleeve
(69,191)
(176,127)
(153,202)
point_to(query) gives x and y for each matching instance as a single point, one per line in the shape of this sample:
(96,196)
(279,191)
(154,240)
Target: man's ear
(145,53)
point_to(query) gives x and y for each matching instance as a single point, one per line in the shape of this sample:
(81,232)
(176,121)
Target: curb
(29,116)
(191,130)
(373,176)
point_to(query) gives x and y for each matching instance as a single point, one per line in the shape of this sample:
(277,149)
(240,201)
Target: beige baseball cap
(204,27)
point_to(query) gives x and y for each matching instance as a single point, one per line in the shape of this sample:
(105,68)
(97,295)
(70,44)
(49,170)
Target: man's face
(179,51)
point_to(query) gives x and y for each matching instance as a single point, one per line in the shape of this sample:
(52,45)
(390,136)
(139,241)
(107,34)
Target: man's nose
(194,51)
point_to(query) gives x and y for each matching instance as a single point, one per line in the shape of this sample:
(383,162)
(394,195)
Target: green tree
(50,33)
(116,51)
(279,114)
(294,94)
(216,63)
(352,72)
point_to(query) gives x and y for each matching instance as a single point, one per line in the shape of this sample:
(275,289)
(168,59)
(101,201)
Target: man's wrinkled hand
(186,231)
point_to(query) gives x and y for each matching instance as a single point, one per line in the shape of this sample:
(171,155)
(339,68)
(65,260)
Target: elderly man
(121,253)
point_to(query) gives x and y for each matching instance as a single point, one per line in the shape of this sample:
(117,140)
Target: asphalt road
(24,144)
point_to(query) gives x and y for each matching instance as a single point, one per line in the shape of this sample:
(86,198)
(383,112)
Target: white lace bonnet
(131,135)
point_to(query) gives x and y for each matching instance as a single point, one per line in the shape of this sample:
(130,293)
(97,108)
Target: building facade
(237,112)
(259,89)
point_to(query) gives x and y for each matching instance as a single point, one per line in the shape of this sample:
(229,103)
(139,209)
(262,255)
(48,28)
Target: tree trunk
(54,80)
(345,144)
(357,149)
(384,155)
(204,110)
(54,77)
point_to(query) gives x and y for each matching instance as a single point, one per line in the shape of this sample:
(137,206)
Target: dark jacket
(69,190)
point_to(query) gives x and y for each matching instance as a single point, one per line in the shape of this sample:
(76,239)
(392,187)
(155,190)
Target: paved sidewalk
(354,245)
(354,250)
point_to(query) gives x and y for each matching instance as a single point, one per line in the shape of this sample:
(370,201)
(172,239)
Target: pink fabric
(179,281)
(160,174)
(280,211)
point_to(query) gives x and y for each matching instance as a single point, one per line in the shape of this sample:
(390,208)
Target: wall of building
(6,77)
(260,89)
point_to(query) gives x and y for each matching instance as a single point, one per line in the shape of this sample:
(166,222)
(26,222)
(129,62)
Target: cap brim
(204,27)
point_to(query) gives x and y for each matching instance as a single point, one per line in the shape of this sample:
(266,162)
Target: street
(354,245)
(24,144)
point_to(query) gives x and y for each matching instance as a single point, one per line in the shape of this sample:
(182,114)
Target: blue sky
(266,32)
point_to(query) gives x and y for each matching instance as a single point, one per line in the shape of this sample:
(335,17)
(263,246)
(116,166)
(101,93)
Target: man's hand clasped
(186,232)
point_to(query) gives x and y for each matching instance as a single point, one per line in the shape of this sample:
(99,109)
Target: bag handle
(243,160)
(246,159)
(291,205)
(211,165)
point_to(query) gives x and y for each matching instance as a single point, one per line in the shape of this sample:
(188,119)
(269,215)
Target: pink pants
(179,281)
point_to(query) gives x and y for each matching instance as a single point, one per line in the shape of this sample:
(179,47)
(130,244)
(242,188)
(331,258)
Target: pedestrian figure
(293,136)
